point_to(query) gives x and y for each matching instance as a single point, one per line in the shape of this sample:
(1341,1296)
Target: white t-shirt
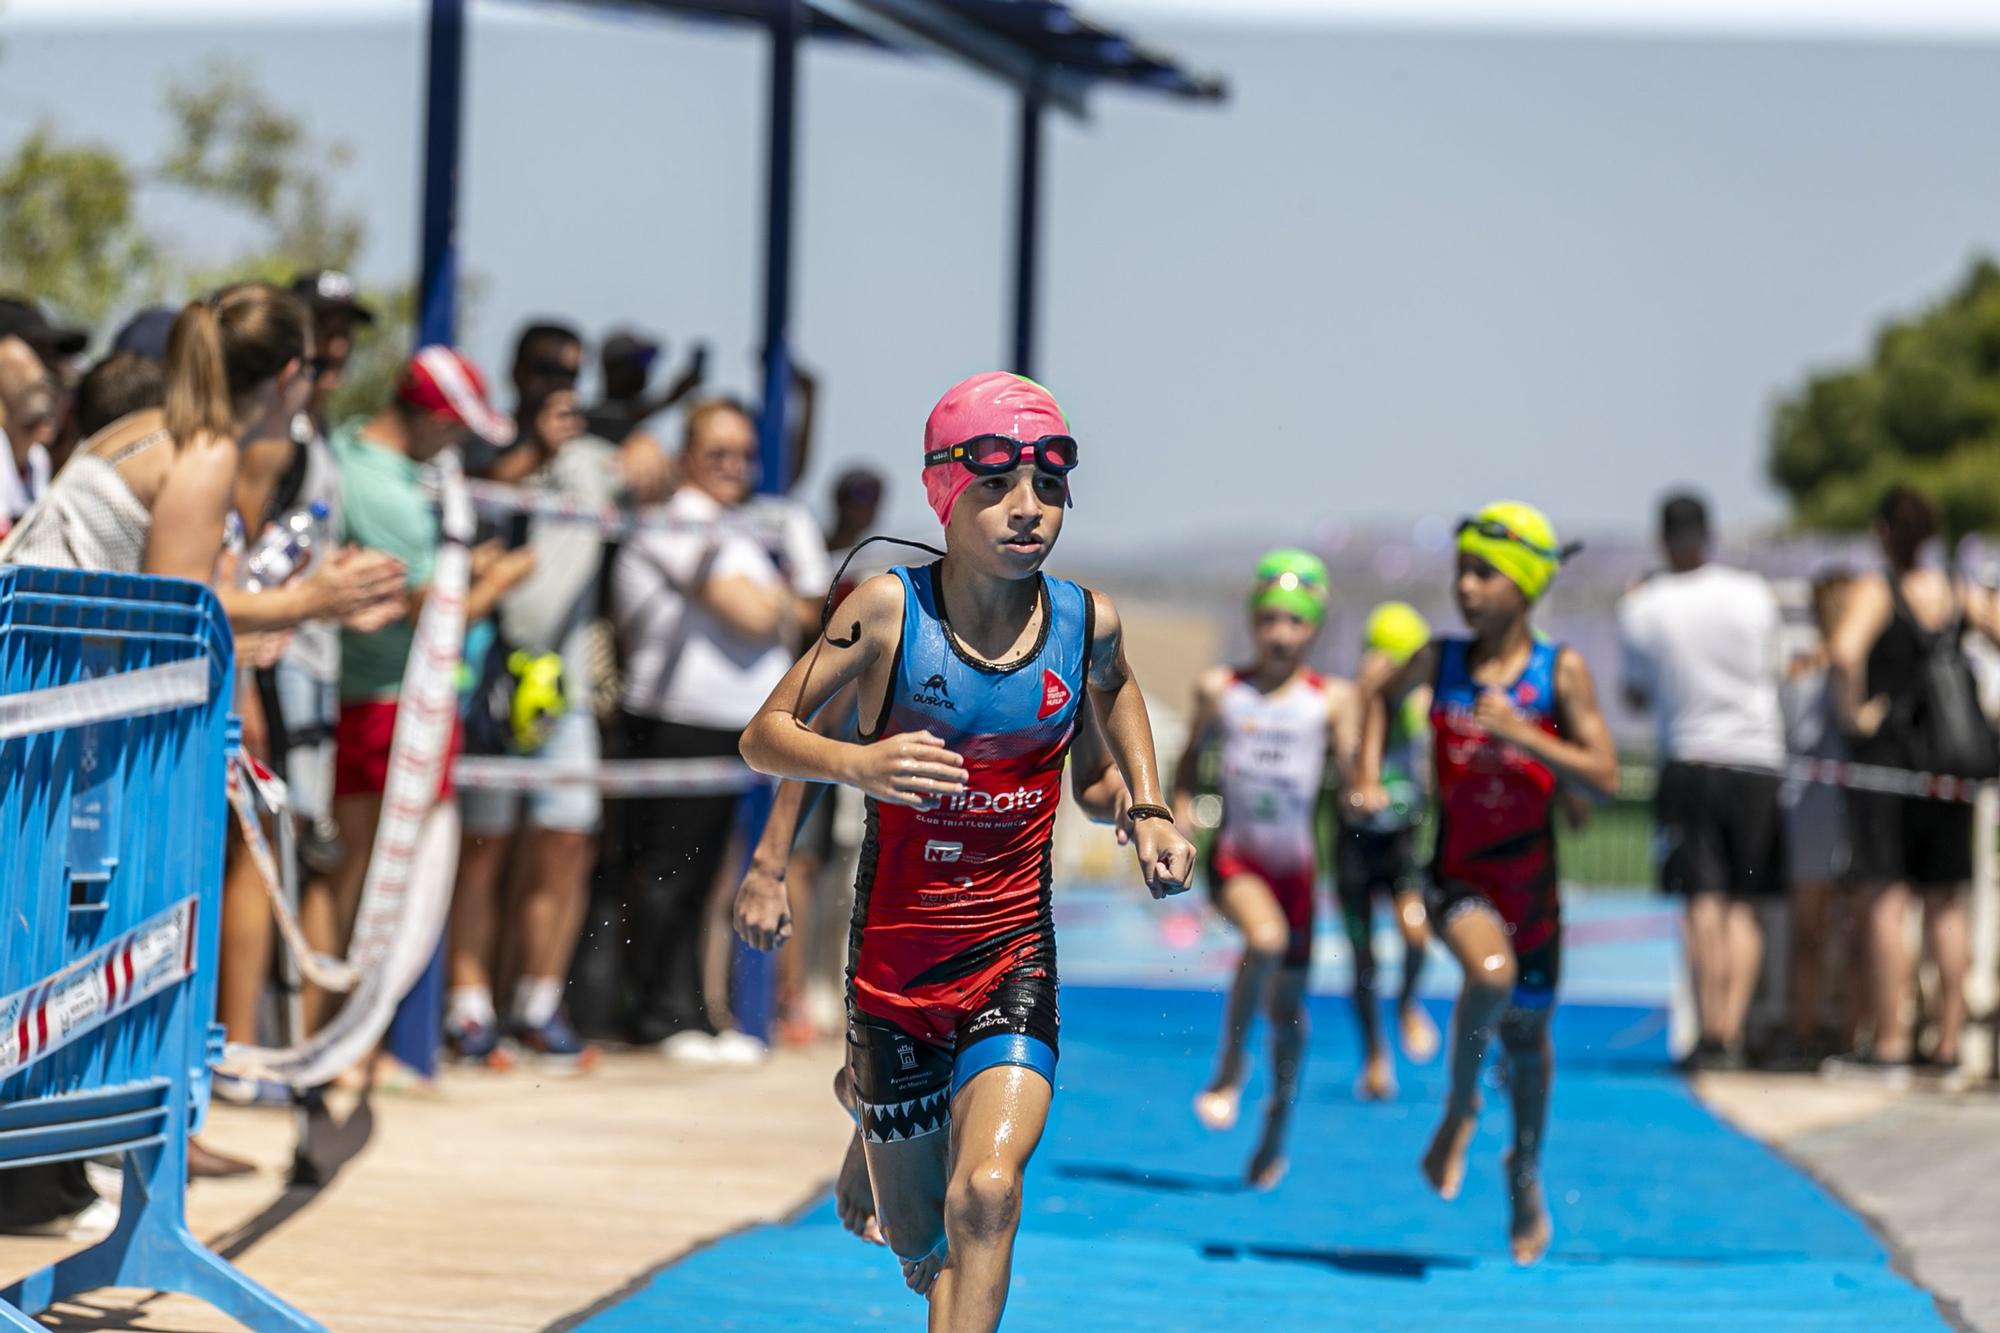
(1703,647)
(718,679)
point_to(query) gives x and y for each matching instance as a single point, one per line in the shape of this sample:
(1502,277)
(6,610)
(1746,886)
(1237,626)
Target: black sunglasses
(991,455)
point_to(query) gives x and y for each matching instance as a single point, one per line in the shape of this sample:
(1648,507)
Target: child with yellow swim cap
(1375,856)
(1513,716)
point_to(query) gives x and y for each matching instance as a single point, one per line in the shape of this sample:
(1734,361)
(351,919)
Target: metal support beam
(920,26)
(787,27)
(444,105)
(1027,230)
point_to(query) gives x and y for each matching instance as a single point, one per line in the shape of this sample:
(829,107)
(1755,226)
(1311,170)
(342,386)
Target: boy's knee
(984,1203)
(1267,944)
(1494,976)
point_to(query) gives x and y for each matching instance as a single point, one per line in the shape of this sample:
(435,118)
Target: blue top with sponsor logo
(988,711)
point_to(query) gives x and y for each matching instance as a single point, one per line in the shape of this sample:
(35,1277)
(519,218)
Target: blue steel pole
(1027,230)
(753,994)
(416,1032)
(437,283)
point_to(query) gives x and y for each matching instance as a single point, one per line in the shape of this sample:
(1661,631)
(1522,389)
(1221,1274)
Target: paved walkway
(507,1202)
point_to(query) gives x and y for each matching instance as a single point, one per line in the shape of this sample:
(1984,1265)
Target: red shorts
(1292,888)
(361,749)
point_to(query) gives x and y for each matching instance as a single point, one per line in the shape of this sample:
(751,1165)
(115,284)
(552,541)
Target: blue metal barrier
(111,849)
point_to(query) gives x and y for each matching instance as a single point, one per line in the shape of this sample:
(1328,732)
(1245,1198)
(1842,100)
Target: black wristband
(1137,812)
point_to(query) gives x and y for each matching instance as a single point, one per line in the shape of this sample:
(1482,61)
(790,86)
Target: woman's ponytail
(223,349)
(198,400)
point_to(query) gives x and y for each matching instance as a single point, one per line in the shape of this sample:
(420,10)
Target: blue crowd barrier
(111,860)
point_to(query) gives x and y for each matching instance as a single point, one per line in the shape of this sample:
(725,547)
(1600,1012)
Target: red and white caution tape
(141,963)
(407,891)
(614,777)
(1877,778)
(497,500)
(154,689)
(246,776)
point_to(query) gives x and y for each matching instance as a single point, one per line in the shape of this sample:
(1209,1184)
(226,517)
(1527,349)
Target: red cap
(443,381)
(995,403)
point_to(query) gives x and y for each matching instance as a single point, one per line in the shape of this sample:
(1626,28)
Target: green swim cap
(1397,631)
(1518,540)
(1293,581)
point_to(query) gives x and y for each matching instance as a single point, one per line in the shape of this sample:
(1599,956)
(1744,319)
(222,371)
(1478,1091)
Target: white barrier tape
(407,891)
(154,689)
(322,970)
(616,777)
(96,988)
(496,500)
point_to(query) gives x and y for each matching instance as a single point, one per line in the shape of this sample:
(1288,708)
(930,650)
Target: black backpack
(1943,725)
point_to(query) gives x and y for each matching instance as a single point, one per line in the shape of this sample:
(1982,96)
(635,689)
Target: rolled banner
(326,972)
(407,892)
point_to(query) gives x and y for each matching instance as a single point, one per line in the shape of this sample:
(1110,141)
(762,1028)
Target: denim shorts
(572,743)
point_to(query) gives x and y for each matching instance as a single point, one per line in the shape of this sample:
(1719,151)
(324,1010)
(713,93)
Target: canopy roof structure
(1051,56)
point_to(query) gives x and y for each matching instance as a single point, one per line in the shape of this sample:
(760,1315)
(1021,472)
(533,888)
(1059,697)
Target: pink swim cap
(995,403)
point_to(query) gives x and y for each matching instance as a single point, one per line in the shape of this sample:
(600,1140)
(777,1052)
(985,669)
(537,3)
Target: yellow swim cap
(1518,540)
(1396,630)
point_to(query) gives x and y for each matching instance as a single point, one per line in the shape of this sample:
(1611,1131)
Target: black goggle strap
(1489,527)
(826,608)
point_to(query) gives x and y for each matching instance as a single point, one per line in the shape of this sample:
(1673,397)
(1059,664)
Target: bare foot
(1420,1035)
(854,1196)
(1269,1163)
(1444,1160)
(1530,1232)
(1216,1108)
(922,1274)
(1377,1083)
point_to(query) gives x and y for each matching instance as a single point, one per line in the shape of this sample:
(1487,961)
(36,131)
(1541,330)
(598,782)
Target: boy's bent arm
(1165,857)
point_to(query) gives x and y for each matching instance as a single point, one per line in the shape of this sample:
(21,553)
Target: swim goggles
(1497,531)
(1289,580)
(992,455)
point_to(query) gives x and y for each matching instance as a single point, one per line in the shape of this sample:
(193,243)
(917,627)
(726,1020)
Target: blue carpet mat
(1135,1217)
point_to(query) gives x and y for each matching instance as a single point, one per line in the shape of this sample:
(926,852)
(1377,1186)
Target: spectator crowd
(203,443)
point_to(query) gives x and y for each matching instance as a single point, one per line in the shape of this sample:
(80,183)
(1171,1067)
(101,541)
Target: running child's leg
(1524,1033)
(1473,932)
(996,1123)
(1287,1012)
(1356,891)
(1249,905)
(1420,1035)
(902,1090)
(853,1194)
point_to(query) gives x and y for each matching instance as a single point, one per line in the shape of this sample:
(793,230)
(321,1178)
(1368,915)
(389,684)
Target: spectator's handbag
(517,702)
(1944,728)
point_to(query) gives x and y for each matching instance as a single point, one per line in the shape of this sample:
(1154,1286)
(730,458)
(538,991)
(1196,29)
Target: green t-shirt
(383,508)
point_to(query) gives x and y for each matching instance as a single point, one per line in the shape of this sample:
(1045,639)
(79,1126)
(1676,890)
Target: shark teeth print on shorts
(892,1122)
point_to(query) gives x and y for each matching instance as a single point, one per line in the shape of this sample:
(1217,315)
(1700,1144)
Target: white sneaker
(93,1223)
(692,1047)
(737,1048)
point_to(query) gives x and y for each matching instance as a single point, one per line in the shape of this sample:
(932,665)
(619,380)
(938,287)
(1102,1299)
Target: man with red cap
(439,402)
(972,673)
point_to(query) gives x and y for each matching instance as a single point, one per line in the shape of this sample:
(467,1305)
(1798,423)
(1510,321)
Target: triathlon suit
(1378,854)
(1496,842)
(1273,762)
(952,952)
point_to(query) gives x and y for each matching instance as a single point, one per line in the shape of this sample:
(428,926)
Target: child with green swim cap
(1513,717)
(1375,856)
(1278,727)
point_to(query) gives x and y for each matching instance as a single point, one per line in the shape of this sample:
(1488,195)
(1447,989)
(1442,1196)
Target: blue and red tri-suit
(1496,840)
(952,951)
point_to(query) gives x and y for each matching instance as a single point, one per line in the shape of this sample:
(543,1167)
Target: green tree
(1924,410)
(72,235)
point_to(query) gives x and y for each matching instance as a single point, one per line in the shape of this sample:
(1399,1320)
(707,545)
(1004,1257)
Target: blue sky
(1409,265)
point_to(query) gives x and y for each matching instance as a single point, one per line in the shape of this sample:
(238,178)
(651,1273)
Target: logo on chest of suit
(1054,695)
(935,693)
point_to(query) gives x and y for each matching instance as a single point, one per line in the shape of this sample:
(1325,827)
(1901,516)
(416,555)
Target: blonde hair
(712,407)
(222,349)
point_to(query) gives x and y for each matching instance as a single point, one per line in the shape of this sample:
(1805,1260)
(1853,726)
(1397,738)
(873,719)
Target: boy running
(972,671)
(1512,716)
(1279,726)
